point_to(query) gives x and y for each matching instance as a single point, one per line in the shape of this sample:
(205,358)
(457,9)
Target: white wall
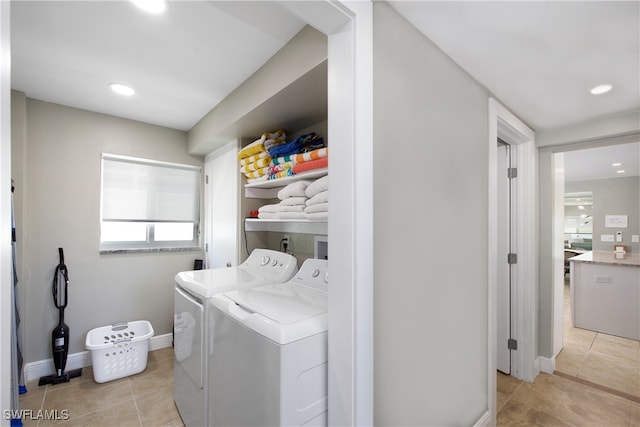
(430,224)
(61,202)
(613,196)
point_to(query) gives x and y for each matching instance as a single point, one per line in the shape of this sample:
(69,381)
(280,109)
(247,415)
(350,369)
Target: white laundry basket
(119,350)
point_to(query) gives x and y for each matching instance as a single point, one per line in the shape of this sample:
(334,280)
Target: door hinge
(512,173)
(512,258)
(512,344)
(206,179)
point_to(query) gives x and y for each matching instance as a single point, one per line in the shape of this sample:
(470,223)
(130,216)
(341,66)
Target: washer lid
(206,283)
(284,303)
(263,267)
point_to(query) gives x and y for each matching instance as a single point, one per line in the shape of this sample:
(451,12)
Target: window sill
(149,250)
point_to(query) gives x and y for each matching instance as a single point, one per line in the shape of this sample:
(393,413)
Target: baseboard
(484,420)
(547,364)
(41,368)
(161,341)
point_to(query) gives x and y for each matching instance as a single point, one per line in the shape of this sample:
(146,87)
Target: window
(148,205)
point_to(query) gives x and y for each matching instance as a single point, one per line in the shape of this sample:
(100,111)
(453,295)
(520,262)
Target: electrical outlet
(635,238)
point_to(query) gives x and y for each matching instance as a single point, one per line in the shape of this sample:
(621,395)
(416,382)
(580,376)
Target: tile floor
(552,400)
(596,383)
(565,399)
(606,360)
(140,400)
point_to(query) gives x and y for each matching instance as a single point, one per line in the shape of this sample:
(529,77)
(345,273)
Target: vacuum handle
(60,293)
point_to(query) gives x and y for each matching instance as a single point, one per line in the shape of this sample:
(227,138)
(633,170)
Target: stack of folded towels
(270,157)
(317,204)
(302,199)
(255,159)
(292,203)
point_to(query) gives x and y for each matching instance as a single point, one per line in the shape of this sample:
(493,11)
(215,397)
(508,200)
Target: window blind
(139,190)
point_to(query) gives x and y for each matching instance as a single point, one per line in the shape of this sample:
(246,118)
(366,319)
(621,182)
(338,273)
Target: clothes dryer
(193,322)
(269,360)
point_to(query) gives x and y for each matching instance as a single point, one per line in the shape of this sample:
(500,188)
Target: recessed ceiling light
(581,207)
(121,89)
(616,164)
(620,171)
(151,6)
(599,90)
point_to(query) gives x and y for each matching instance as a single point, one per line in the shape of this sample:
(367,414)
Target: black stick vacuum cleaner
(60,334)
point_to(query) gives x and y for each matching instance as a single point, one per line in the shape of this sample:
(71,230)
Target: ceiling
(181,62)
(541,58)
(597,163)
(538,58)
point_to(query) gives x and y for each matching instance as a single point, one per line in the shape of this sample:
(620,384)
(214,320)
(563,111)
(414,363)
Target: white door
(221,206)
(506,240)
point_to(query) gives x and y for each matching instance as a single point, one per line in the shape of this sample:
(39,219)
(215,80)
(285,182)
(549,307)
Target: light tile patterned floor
(597,383)
(146,399)
(552,400)
(606,360)
(141,400)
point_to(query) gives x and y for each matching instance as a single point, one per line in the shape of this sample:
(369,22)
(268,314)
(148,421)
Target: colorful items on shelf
(271,157)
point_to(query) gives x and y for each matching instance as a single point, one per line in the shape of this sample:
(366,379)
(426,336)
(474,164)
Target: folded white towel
(321,197)
(316,215)
(291,201)
(291,215)
(320,184)
(318,207)
(268,215)
(295,189)
(281,208)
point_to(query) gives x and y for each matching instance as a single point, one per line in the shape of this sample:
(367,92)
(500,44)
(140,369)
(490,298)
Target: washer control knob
(265,260)
(275,262)
(315,273)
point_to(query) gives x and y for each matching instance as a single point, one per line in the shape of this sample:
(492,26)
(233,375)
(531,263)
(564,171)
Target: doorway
(523,299)
(596,180)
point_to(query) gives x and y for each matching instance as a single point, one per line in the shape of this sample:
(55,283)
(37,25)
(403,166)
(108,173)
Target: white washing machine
(268,366)
(192,322)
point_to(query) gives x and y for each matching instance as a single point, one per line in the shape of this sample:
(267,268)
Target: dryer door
(187,331)
(188,365)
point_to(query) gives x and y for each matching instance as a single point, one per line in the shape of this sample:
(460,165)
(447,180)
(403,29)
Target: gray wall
(614,196)
(431,231)
(61,203)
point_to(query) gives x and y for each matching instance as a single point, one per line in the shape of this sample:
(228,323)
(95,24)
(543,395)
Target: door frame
(349,29)
(551,183)
(508,127)
(6,281)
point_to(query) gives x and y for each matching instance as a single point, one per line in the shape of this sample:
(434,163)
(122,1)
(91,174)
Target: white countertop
(607,257)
